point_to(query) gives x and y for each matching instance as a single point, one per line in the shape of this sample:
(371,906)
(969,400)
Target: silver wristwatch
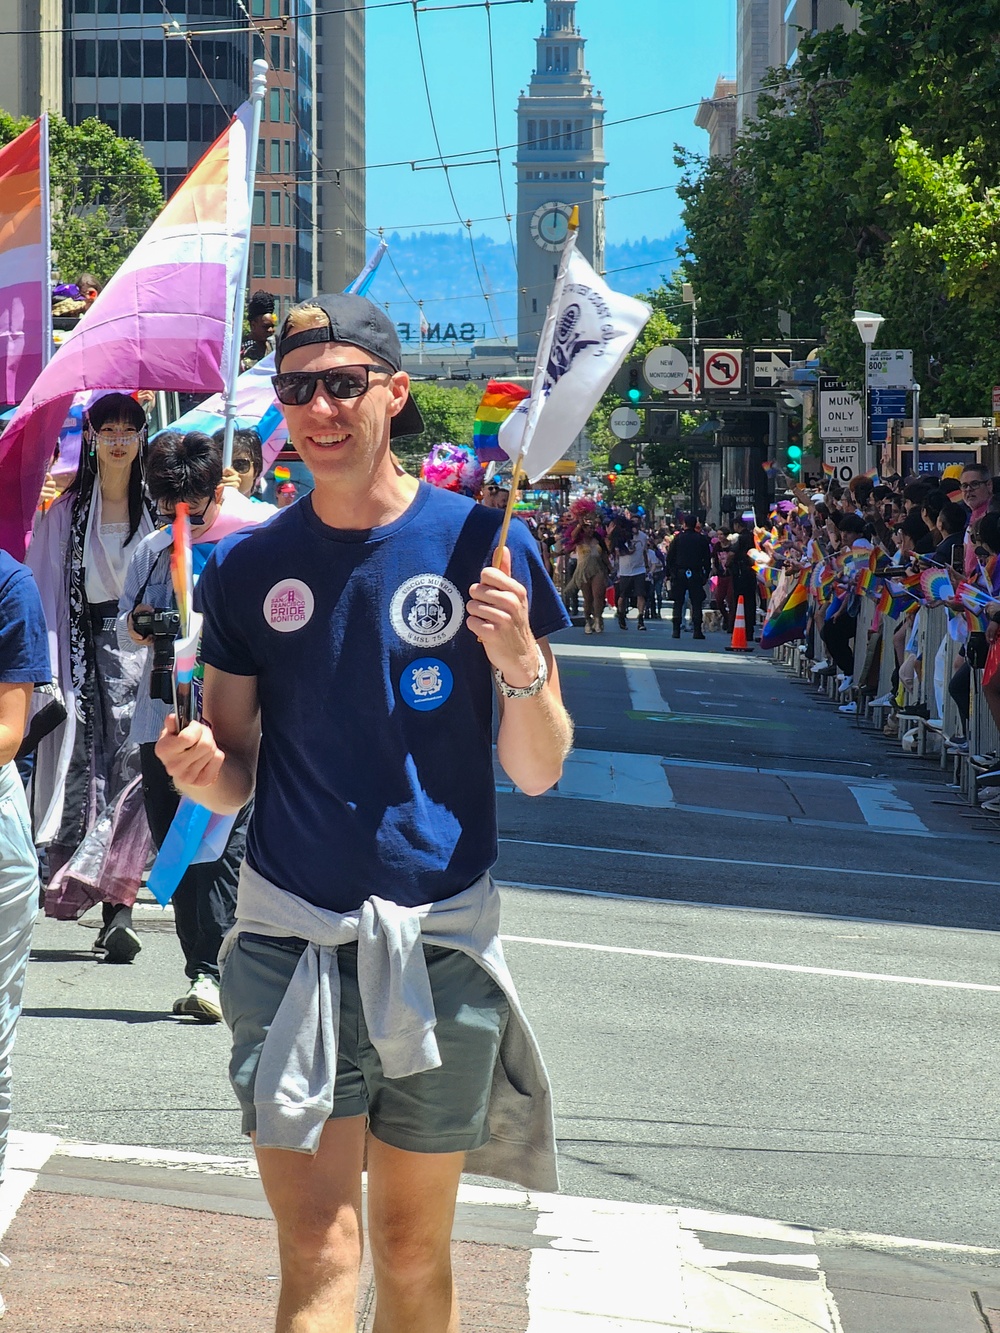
(525,691)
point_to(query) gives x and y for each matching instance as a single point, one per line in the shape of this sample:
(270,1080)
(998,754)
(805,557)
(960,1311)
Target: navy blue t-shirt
(375,773)
(24,642)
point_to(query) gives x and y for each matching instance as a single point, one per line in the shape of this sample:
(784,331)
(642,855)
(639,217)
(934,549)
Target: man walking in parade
(689,567)
(352,648)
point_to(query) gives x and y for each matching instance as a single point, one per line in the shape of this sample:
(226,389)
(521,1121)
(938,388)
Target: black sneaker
(697,634)
(641,624)
(121,943)
(622,623)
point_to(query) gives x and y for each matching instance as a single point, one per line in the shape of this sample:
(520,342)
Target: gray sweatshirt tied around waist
(296,1074)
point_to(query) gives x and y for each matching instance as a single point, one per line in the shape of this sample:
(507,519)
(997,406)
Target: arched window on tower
(565,59)
(578,135)
(532,133)
(548,60)
(567,138)
(543,135)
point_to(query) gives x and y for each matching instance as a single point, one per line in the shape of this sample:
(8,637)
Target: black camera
(163,628)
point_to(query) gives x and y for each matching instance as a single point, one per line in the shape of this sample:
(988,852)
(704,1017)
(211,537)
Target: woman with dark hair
(744,574)
(79,555)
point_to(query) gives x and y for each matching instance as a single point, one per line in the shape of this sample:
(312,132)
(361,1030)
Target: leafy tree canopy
(104,194)
(869,180)
(448,414)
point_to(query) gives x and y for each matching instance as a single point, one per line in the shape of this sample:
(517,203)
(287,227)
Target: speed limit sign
(723,368)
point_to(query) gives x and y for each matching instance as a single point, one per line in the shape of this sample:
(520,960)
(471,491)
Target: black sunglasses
(295,388)
(243,464)
(196,520)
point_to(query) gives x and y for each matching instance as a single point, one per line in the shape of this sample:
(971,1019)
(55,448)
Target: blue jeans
(18,909)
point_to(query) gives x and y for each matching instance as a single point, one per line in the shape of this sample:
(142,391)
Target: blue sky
(644,55)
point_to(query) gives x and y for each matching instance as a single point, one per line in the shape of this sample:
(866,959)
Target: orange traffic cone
(739,643)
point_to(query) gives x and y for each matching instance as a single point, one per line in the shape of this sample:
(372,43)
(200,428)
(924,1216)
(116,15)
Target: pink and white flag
(164,321)
(25,304)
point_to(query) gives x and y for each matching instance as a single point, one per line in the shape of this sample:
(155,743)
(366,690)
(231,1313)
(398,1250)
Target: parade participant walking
(79,554)
(583,537)
(352,646)
(262,322)
(24,663)
(689,564)
(632,549)
(184,468)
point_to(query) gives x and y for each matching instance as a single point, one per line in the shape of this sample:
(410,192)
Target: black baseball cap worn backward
(356,322)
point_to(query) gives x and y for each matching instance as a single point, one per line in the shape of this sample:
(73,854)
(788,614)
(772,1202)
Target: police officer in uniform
(689,566)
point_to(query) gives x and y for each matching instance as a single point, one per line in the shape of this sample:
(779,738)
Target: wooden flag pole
(538,382)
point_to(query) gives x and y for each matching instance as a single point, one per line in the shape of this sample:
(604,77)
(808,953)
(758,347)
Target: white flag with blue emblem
(589,331)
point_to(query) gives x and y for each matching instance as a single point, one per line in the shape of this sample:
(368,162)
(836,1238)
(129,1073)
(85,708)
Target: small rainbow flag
(282,474)
(790,621)
(872,476)
(829,470)
(496,405)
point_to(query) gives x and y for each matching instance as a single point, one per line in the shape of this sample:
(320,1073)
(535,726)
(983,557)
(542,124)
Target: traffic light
(793,446)
(634,387)
(628,383)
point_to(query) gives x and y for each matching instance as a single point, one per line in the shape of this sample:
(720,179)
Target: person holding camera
(184,468)
(79,554)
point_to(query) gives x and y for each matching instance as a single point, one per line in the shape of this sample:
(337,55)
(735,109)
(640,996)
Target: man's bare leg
(411,1211)
(316,1203)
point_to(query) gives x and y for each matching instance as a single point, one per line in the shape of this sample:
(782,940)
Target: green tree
(868,180)
(448,414)
(104,194)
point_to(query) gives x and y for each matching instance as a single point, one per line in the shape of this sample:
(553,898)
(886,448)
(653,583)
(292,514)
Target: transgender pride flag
(25,304)
(165,320)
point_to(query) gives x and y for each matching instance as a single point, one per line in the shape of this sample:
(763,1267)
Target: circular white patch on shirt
(289,606)
(426,611)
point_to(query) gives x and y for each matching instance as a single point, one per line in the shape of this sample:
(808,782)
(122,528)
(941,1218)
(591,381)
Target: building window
(131,59)
(275,104)
(85,6)
(257,9)
(532,132)
(177,123)
(259,259)
(258,208)
(275,208)
(578,135)
(107,60)
(287,148)
(176,60)
(288,209)
(543,135)
(288,53)
(152,60)
(275,156)
(275,261)
(275,52)
(275,9)
(131,121)
(85,111)
(288,106)
(108,114)
(86,59)
(261,155)
(548,58)
(534,305)
(288,261)
(153,122)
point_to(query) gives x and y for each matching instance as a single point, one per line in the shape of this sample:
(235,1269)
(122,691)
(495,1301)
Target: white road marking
(763,865)
(621,779)
(643,687)
(884,809)
(752,963)
(609,652)
(26,1155)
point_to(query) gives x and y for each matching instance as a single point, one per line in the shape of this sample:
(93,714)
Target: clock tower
(560,162)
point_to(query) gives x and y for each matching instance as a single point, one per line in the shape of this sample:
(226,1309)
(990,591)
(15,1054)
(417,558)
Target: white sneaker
(957,746)
(883,701)
(819,666)
(201,1001)
(909,740)
(845,683)
(850,708)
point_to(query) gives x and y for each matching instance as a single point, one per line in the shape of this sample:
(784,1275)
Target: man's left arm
(536,733)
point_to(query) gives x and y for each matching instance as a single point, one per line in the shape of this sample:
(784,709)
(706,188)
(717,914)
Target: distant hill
(437,268)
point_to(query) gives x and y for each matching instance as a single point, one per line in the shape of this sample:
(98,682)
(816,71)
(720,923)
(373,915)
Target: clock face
(550,225)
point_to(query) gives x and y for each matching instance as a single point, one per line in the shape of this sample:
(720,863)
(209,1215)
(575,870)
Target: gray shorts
(441,1110)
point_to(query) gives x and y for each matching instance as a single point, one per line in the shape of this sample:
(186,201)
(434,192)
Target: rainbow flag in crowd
(164,321)
(25,309)
(788,623)
(496,405)
(829,470)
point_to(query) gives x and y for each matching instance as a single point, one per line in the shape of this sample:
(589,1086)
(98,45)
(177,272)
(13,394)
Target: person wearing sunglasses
(354,647)
(977,491)
(247,466)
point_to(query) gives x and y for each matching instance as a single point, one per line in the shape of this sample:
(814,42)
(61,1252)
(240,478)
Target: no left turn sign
(723,368)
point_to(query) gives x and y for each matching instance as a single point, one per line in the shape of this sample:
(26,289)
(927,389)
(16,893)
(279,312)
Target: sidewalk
(132,1240)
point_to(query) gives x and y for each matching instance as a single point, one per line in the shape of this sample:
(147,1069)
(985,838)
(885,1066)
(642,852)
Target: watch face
(550,225)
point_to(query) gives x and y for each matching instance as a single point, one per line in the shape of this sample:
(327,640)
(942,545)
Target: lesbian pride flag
(164,321)
(25,309)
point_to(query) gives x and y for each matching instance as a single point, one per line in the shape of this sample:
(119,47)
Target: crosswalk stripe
(643,686)
(884,808)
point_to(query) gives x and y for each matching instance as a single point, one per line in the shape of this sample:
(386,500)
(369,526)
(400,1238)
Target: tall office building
(340,193)
(768,33)
(717,115)
(560,162)
(31,56)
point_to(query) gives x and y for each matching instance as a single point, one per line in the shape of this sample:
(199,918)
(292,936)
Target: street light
(868,324)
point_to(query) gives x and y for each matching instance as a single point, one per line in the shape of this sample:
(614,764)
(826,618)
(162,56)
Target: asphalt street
(758,946)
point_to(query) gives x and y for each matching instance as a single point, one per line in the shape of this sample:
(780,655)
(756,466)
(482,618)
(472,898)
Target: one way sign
(770,365)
